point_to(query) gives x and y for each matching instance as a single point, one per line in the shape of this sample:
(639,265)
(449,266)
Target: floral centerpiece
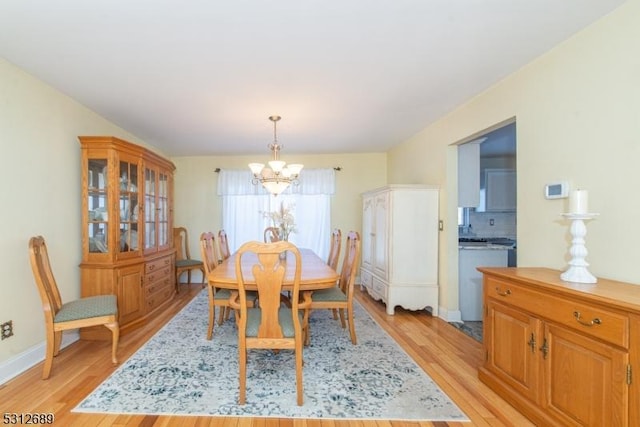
(283,220)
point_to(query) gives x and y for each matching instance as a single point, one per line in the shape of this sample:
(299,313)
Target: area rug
(179,372)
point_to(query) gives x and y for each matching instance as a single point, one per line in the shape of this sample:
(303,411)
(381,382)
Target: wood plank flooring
(449,356)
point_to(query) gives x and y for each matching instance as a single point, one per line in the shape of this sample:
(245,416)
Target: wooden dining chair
(59,317)
(224,245)
(334,249)
(271,235)
(184,263)
(340,297)
(217,297)
(273,325)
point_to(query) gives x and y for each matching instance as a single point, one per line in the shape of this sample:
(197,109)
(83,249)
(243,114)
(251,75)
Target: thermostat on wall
(556,190)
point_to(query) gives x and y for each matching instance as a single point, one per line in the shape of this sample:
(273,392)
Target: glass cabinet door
(150,217)
(163,210)
(98,198)
(128,207)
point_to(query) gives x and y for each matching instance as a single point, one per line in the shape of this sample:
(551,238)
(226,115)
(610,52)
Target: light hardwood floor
(446,354)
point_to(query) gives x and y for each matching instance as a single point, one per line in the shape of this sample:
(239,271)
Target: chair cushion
(85,308)
(284,317)
(331,294)
(188,263)
(222,293)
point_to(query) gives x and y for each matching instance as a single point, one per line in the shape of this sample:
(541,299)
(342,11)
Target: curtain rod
(336,168)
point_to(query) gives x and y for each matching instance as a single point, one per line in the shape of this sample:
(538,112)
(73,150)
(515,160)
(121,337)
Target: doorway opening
(487,208)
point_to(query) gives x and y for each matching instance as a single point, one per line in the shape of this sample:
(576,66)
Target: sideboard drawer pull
(503,294)
(595,321)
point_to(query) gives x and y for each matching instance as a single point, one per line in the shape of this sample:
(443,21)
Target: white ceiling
(201,77)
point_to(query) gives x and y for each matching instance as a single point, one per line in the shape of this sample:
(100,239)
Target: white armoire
(400,246)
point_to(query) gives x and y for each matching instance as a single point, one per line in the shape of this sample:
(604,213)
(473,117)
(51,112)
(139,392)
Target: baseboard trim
(450,315)
(32,356)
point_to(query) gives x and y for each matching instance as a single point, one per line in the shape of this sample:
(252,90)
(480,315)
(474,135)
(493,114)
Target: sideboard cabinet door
(585,379)
(130,293)
(513,339)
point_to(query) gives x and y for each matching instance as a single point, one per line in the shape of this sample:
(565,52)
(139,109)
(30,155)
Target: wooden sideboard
(562,353)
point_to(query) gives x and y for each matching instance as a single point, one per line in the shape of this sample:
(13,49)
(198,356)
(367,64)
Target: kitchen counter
(491,243)
(483,246)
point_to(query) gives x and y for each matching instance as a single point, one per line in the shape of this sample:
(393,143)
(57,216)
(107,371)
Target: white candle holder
(577,271)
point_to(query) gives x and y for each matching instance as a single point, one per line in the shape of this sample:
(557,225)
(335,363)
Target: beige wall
(577,113)
(198,207)
(40,187)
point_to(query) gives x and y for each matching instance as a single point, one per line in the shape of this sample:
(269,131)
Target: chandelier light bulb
(278,175)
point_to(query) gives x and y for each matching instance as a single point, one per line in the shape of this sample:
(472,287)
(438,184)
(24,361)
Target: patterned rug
(179,372)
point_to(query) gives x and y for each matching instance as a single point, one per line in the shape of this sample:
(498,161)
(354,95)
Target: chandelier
(278,175)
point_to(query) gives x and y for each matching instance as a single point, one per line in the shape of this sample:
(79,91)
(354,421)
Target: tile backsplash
(504,224)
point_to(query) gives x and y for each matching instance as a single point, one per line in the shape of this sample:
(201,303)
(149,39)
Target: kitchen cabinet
(127,249)
(469,175)
(500,190)
(400,246)
(562,353)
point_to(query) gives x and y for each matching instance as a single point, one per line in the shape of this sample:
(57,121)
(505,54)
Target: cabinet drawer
(581,316)
(157,264)
(157,275)
(365,278)
(158,286)
(158,299)
(379,288)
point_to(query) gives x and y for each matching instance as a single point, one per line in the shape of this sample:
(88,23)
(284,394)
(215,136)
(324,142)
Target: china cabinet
(127,247)
(400,246)
(562,353)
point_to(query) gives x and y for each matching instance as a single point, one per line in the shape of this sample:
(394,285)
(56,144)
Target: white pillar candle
(579,202)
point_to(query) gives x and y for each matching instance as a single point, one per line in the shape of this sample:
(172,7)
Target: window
(244,204)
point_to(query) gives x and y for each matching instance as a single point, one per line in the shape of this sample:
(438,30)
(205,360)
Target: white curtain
(244,203)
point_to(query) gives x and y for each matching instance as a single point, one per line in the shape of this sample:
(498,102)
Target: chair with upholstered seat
(224,245)
(341,297)
(217,297)
(272,325)
(84,312)
(271,235)
(184,263)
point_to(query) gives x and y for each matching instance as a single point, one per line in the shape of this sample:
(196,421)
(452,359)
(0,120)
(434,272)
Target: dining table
(315,273)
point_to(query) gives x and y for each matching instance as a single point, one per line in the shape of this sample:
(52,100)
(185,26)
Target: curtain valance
(312,181)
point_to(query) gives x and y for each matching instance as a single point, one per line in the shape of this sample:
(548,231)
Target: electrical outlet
(7,329)
(492,222)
